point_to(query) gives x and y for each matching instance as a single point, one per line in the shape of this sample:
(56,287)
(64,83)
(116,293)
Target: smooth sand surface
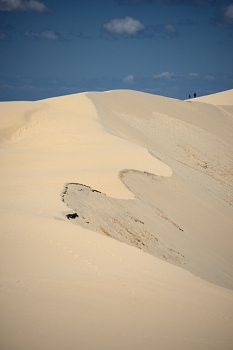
(220,98)
(147,263)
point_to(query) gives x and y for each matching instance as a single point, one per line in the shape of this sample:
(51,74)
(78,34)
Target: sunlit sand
(146,261)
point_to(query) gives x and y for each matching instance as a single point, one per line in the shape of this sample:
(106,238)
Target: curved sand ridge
(65,133)
(171,218)
(149,171)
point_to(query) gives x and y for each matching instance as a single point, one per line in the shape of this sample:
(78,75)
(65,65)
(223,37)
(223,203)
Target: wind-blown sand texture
(117,222)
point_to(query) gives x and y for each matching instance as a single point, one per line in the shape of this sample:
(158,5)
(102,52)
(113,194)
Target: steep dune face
(195,135)
(148,183)
(139,109)
(185,219)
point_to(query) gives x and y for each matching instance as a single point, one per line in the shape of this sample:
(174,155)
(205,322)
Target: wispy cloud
(193,75)
(182,85)
(224,16)
(168,29)
(169,76)
(209,77)
(22,5)
(191,80)
(127,25)
(44,35)
(165,75)
(129,79)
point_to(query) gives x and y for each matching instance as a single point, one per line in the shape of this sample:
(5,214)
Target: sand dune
(220,98)
(147,261)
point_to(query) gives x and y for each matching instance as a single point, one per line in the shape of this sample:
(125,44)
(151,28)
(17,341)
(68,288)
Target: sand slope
(220,98)
(154,174)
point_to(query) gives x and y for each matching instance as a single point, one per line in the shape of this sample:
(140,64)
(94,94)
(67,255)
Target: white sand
(66,285)
(220,98)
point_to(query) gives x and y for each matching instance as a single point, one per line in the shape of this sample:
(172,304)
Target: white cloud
(193,75)
(125,25)
(22,5)
(169,28)
(165,75)
(168,75)
(129,78)
(46,35)
(49,35)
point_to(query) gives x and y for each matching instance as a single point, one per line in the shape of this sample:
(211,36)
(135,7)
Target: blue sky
(165,47)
